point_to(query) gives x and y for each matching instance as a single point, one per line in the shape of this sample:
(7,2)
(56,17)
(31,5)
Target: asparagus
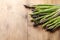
(34,6)
(53,26)
(56,26)
(37,19)
(44,25)
(48,17)
(47,14)
(39,15)
(38,8)
(30,7)
(56,23)
(46,10)
(44,5)
(48,25)
(36,23)
(53,23)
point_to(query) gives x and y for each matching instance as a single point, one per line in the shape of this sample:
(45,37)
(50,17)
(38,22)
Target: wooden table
(15,21)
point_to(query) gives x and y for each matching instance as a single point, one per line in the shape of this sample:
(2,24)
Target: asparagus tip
(26,6)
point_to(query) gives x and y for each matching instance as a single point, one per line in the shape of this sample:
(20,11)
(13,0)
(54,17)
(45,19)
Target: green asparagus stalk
(48,25)
(46,10)
(48,17)
(44,25)
(53,23)
(53,26)
(37,19)
(38,15)
(44,5)
(56,26)
(36,23)
(34,6)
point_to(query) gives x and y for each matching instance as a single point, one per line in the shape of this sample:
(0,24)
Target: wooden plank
(13,20)
(39,33)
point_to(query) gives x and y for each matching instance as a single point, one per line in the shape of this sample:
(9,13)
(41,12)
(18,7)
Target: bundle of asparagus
(46,15)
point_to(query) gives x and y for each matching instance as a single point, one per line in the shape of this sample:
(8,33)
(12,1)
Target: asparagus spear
(37,19)
(44,25)
(39,15)
(36,23)
(44,5)
(56,26)
(48,17)
(34,6)
(38,8)
(53,26)
(48,25)
(46,10)
(53,23)
(30,7)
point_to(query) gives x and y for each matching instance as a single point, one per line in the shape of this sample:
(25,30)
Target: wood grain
(13,20)
(39,33)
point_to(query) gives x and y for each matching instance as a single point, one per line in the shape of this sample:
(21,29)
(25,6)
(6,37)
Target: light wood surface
(15,21)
